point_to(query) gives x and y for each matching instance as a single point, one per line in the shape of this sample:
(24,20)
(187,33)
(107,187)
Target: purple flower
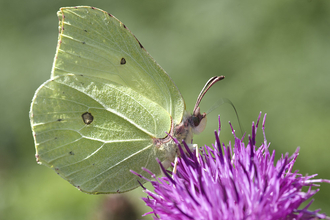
(243,182)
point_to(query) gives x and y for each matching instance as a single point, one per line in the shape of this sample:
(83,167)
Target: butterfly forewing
(93,42)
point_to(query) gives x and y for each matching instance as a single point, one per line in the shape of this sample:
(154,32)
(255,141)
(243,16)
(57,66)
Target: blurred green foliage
(274,54)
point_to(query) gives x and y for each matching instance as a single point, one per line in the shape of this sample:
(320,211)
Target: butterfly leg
(175,165)
(198,154)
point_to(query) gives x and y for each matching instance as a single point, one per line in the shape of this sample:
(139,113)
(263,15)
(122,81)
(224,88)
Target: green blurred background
(274,54)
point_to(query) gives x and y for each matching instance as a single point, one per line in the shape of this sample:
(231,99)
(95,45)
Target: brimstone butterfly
(108,107)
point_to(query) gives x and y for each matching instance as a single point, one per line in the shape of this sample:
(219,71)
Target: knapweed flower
(243,182)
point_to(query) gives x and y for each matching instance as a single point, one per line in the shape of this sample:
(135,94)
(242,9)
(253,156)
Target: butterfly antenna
(223,101)
(207,86)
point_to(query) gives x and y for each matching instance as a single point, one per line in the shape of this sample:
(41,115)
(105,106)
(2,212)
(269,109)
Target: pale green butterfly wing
(96,118)
(93,43)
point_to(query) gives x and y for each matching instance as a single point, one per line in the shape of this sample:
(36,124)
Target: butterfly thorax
(191,124)
(183,131)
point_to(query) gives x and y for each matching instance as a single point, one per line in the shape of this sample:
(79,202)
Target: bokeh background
(275,56)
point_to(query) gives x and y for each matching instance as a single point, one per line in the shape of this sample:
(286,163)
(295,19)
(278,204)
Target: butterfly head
(197,121)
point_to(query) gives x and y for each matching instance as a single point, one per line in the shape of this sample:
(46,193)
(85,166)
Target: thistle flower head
(243,182)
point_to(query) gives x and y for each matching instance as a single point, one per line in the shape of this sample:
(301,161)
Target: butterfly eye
(199,124)
(195,120)
(198,121)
